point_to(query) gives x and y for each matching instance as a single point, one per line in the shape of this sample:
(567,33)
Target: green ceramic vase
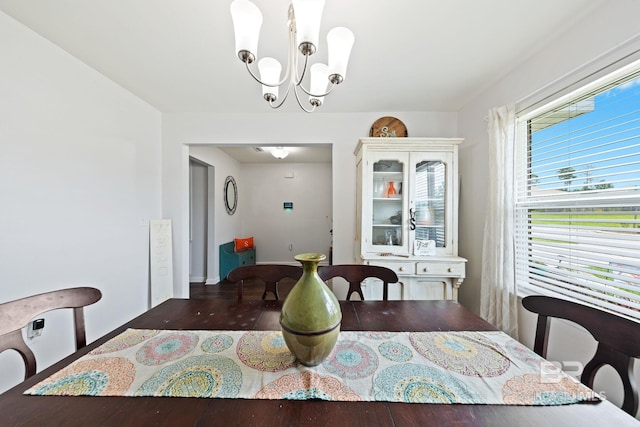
(311,315)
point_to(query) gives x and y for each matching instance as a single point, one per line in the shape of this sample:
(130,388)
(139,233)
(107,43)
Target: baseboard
(213,281)
(196,279)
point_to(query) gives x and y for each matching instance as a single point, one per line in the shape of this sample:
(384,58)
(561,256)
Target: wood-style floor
(225,289)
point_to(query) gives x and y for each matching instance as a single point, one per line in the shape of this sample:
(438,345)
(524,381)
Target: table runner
(419,367)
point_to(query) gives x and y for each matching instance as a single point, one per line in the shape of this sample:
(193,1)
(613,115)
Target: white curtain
(499,303)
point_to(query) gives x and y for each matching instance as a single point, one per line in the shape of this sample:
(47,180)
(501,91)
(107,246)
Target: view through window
(578,201)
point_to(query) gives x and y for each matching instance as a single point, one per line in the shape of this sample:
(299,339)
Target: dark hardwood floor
(225,289)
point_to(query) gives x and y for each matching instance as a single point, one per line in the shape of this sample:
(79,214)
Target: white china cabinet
(407,215)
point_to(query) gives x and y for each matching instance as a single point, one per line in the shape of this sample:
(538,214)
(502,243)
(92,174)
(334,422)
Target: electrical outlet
(34,329)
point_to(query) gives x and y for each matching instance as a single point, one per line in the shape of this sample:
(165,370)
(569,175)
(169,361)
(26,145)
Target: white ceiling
(409,55)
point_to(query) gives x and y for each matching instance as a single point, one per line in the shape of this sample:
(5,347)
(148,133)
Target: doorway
(201,220)
(265,182)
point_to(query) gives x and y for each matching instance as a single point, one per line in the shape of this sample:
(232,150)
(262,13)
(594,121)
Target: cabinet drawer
(444,269)
(400,268)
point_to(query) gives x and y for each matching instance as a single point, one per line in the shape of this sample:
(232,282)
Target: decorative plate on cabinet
(388,127)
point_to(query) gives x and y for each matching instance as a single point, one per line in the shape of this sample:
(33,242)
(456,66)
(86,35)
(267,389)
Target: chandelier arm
(284,98)
(319,95)
(304,70)
(295,92)
(299,79)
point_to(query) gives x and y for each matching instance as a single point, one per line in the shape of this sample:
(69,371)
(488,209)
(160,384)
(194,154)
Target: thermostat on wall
(288,206)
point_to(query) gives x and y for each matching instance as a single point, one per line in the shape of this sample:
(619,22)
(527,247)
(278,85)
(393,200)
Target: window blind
(430,181)
(578,198)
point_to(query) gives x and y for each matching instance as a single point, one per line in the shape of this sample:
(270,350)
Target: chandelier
(304,28)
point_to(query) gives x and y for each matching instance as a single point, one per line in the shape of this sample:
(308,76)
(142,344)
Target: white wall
(265,187)
(79,180)
(593,42)
(341,130)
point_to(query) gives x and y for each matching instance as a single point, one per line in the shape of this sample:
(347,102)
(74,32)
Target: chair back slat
(270,274)
(355,274)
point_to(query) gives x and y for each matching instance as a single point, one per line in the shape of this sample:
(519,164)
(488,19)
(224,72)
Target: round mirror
(230,195)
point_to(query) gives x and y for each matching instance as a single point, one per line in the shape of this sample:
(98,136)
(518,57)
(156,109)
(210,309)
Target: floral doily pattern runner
(415,367)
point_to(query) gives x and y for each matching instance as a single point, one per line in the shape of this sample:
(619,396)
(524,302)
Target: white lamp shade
(270,70)
(308,14)
(319,81)
(247,21)
(340,41)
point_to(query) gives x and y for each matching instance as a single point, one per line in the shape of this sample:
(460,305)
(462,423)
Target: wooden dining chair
(617,337)
(355,274)
(270,274)
(15,315)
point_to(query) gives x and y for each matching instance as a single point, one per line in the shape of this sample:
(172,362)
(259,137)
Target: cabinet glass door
(430,201)
(387,199)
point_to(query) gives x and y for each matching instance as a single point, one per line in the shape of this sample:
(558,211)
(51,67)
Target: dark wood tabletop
(17,409)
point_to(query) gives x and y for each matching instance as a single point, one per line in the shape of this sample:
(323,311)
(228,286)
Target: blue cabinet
(230,259)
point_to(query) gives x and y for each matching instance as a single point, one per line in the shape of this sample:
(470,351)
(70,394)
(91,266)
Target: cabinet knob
(426,270)
(401,269)
(450,269)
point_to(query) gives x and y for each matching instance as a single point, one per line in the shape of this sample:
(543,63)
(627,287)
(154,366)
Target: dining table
(20,409)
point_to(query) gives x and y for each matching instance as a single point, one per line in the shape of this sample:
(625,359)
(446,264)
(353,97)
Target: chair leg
(239,286)
(81,334)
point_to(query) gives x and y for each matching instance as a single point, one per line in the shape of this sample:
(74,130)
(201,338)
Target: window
(578,196)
